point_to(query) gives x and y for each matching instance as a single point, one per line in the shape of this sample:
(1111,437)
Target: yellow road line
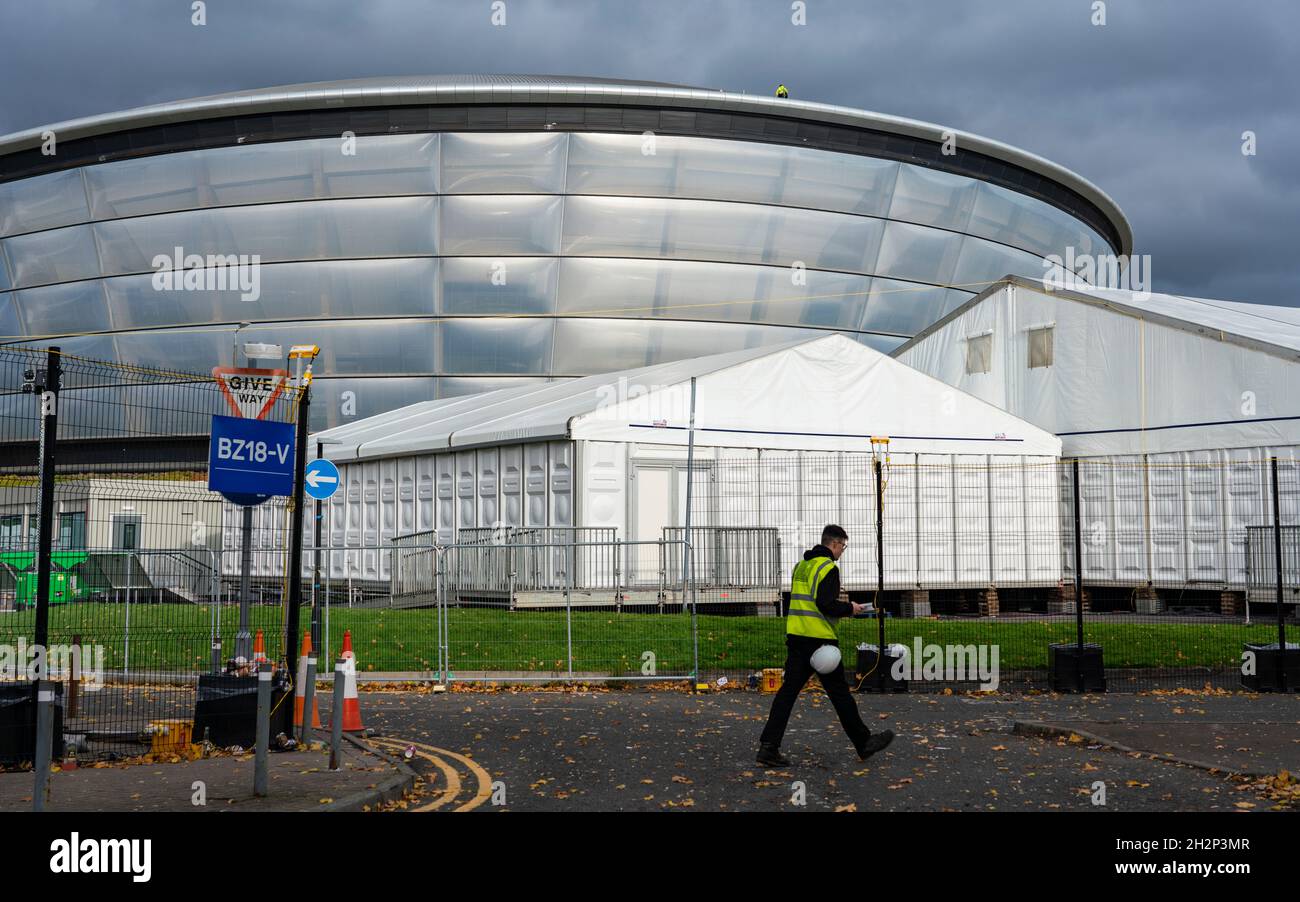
(434,754)
(449,773)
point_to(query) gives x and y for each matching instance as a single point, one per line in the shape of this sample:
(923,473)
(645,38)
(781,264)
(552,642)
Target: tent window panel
(1040,348)
(979,354)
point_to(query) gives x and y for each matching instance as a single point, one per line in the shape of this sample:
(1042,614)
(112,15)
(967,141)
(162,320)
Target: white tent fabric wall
(571,454)
(1186,398)
(952,520)
(1129,375)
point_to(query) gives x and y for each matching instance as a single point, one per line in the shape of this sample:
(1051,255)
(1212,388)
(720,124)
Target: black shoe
(875,742)
(770,756)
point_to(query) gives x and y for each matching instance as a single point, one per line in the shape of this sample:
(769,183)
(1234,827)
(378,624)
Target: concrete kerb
(391,789)
(1052,731)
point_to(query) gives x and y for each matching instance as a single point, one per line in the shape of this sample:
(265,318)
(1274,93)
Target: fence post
(126,631)
(309,697)
(74,681)
(44,741)
(880,572)
(244,637)
(46,383)
(1281,607)
(336,723)
(214,590)
(295,530)
(568,603)
(315,570)
(1078,582)
(687,554)
(263,737)
(440,598)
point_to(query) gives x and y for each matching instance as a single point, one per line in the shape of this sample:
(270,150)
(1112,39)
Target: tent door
(659,500)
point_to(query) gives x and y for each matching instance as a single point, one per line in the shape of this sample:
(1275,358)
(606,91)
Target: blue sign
(321,478)
(250,460)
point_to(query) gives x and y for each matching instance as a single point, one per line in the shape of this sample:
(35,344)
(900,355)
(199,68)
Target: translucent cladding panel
(1003,215)
(903,307)
(716,169)
(918,253)
(680,289)
(164,410)
(482,285)
(102,412)
(933,198)
(5,282)
(58,255)
(42,202)
(456,386)
(357,347)
(336,401)
(492,346)
(315,230)
(585,346)
(983,261)
(99,347)
(10,325)
(885,344)
(191,350)
(727,232)
(74,307)
(337,288)
(263,173)
(501,163)
(381,164)
(496,224)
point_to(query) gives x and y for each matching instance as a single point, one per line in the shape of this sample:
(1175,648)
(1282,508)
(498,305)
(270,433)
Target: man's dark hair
(834,533)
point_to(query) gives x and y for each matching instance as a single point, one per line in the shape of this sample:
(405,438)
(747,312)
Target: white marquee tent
(1181,401)
(609,451)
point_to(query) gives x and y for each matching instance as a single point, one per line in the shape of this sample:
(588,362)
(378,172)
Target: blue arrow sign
(321,478)
(250,460)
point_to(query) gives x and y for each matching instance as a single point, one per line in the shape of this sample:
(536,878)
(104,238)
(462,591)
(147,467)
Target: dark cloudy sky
(1151,106)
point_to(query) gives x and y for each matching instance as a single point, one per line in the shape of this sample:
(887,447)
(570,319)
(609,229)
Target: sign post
(250,460)
(301,357)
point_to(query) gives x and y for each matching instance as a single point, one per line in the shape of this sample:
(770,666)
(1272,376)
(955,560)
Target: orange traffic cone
(259,648)
(351,703)
(300,688)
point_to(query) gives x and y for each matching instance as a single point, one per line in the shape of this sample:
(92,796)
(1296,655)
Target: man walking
(815,608)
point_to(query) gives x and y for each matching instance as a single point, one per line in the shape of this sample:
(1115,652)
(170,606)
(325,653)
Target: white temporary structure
(1184,399)
(609,452)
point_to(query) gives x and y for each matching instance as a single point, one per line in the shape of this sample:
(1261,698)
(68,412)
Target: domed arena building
(443,235)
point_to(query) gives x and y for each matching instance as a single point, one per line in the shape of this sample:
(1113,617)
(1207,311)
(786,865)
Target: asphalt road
(651,750)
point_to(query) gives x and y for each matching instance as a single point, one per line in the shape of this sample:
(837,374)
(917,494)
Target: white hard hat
(826,658)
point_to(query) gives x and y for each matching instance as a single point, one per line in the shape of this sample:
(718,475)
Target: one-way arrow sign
(321,478)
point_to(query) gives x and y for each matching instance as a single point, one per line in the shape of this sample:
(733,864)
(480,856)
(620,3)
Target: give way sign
(250,392)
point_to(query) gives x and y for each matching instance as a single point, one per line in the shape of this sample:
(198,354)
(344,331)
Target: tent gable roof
(1263,327)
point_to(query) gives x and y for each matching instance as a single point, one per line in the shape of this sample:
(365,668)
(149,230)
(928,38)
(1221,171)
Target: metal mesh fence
(971,572)
(143,560)
(976,571)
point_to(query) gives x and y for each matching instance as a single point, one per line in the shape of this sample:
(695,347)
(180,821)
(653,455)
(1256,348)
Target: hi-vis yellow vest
(804,619)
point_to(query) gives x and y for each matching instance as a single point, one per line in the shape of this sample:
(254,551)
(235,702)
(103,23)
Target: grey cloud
(1150,107)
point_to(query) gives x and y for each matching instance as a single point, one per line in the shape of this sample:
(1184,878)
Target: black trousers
(798,669)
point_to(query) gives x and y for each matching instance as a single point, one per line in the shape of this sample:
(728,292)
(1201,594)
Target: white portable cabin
(610,451)
(1183,399)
